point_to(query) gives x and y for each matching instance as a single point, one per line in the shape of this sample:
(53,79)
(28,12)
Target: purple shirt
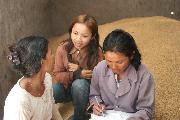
(135,93)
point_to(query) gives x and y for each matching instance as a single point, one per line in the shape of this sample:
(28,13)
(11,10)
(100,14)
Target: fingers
(98,110)
(87,74)
(103,107)
(72,67)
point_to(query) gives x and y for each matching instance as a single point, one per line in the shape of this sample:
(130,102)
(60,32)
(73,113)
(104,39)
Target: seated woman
(121,82)
(74,61)
(31,98)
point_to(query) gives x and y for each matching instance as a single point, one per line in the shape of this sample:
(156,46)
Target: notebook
(112,115)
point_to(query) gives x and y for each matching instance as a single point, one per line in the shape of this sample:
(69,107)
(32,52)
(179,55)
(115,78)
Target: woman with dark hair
(74,61)
(31,98)
(121,82)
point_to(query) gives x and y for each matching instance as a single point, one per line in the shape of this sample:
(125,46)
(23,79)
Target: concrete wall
(19,18)
(109,10)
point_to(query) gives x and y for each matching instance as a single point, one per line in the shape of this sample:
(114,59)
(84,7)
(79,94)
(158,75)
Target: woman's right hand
(86,74)
(98,109)
(73,67)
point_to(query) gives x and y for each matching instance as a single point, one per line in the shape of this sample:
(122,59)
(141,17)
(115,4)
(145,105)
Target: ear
(42,61)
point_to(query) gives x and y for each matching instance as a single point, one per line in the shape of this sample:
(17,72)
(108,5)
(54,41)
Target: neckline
(18,83)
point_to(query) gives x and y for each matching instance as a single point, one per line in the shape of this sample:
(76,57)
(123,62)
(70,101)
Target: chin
(115,71)
(78,47)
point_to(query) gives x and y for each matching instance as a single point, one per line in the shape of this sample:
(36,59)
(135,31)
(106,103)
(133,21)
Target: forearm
(63,77)
(141,115)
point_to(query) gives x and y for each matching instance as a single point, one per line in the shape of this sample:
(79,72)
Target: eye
(85,36)
(119,62)
(75,33)
(109,61)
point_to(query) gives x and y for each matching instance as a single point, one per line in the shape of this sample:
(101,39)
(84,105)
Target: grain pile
(158,39)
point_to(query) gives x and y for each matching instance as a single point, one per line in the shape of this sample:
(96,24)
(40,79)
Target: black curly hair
(26,55)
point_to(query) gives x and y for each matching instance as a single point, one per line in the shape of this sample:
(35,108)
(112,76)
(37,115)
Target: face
(118,62)
(80,35)
(49,61)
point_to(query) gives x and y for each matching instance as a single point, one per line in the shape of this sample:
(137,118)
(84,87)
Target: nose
(114,66)
(78,38)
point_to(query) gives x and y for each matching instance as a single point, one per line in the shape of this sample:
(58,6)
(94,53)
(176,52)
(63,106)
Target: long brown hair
(94,46)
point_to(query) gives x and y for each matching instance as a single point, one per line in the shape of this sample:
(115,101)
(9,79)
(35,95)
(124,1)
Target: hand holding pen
(98,108)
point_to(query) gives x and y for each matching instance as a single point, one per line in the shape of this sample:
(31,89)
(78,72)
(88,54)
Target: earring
(41,62)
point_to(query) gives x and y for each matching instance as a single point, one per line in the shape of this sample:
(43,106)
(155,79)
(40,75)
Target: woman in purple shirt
(121,82)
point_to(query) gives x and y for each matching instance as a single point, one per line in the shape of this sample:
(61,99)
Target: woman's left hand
(86,74)
(73,67)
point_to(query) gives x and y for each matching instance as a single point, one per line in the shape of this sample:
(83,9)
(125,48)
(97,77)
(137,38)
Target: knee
(57,88)
(80,91)
(58,92)
(80,84)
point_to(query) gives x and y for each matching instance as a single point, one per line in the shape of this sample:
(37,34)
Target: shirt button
(116,106)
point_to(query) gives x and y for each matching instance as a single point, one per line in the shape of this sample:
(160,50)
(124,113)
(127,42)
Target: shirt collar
(83,50)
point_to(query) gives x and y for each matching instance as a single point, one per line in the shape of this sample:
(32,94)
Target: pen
(99,105)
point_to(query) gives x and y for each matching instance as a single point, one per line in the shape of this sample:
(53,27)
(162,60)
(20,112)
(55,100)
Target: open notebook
(111,115)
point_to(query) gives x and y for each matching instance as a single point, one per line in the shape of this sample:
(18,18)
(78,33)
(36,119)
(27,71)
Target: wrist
(77,74)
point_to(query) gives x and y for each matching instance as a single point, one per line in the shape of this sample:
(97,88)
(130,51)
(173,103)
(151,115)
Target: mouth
(78,45)
(115,71)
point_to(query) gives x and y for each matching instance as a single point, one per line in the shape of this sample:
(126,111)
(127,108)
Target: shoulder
(144,73)
(17,103)
(17,98)
(143,69)
(101,65)
(63,45)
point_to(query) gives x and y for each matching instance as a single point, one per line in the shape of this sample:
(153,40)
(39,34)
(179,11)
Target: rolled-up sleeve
(145,100)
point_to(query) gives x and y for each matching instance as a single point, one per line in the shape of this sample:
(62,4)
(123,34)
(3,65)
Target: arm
(24,112)
(17,111)
(94,89)
(60,71)
(145,100)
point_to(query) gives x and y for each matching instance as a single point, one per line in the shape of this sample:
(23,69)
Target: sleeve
(145,100)
(61,74)
(94,89)
(25,112)
(20,111)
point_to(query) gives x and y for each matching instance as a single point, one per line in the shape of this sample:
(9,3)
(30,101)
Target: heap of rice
(158,39)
